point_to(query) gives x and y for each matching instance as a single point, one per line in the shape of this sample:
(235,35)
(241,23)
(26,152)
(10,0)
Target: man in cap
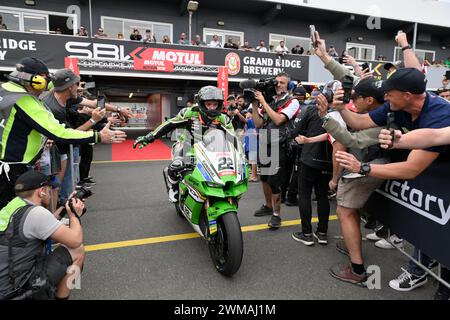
(412,108)
(27,123)
(354,189)
(64,94)
(25,226)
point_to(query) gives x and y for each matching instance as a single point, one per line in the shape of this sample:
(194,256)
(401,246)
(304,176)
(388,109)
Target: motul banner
(163,60)
(418,210)
(222,82)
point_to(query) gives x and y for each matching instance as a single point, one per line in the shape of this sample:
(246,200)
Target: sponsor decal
(72,64)
(233,63)
(164,60)
(203,172)
(222,82)
(427,205)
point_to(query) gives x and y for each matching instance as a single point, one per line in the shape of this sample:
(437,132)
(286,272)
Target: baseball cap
(64,78)
(406,80)
(370,87)
(447,75)
(299,91)
(32,65)
(396,64)
(231,97)
(32,180)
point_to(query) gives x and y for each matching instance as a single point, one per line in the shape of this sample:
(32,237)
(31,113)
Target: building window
(289,41)
(37,21)
(208,33)
(10,20)
(361,51)
(428,55)
(113,26)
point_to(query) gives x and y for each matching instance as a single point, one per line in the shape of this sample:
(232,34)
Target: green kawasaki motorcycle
(210,188)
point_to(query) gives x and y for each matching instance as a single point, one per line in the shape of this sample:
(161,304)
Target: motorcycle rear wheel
(226,246)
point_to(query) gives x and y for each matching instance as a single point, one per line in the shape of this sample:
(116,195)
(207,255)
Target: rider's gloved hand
(143,141)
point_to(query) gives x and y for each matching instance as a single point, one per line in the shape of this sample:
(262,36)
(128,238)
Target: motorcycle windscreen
(221,154)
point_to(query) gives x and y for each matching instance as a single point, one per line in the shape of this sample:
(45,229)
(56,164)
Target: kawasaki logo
(96,50)
(417,201)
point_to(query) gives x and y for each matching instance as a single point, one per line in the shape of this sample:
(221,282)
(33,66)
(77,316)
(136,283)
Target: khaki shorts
(354,193)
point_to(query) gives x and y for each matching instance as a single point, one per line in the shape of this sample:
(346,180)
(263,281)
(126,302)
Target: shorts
(56,264)
(276,180)
(354,193)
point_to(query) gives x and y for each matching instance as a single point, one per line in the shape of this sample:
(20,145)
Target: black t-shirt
(58,110)
(315,155)
(237,122)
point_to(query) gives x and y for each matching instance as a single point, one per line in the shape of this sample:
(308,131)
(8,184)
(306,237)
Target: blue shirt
(435,114)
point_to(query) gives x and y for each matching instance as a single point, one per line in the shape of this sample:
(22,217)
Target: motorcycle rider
(206,114)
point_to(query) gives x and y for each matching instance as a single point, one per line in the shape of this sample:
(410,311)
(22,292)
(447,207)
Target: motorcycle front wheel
(226,246)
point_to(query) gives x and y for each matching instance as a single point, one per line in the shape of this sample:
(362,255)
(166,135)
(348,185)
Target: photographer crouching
(26,226)
(274,115)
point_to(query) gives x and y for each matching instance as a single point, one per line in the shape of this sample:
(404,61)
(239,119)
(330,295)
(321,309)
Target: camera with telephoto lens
(266,86)
(81,194)
(347,85)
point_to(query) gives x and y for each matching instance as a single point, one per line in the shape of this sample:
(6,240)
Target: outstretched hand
(143,141)
(112,136)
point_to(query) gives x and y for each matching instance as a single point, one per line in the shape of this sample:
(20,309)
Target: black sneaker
(382,232)
(291,203)
(89,180)
(321,237)
(371,223)
(275,222)
(82,185)
(307,240)
(263,211)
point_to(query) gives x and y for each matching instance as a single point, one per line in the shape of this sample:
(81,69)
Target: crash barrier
(418,211)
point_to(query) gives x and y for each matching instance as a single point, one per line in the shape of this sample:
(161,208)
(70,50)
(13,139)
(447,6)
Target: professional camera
(81,194)
(265,86)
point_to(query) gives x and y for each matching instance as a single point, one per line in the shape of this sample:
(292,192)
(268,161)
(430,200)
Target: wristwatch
(364,169)
(93,121)
(325,119)
(406,47)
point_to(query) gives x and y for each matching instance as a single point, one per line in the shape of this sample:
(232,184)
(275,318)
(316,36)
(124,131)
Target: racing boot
(173,179)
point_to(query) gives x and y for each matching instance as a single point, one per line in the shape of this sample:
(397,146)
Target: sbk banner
(222,82)
(418,210)
(134,59)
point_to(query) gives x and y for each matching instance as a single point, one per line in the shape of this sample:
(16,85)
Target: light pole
(191,7)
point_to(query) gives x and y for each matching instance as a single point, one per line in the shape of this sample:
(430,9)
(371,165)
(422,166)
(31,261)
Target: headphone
(291,85)
(36,81)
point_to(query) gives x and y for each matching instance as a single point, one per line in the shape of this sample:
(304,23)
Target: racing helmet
(210,93)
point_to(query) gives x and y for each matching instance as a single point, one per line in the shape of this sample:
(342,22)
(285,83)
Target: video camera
(82,193)
(265,86)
